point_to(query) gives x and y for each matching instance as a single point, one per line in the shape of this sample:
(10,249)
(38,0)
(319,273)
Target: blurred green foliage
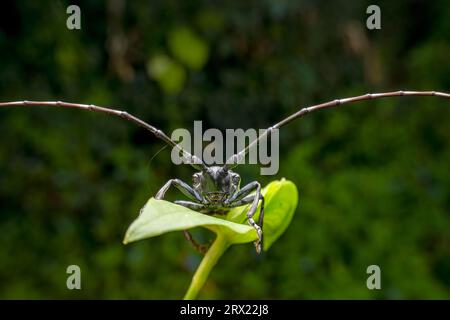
(373,178)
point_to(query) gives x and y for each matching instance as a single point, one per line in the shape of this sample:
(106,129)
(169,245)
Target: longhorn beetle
(217,188)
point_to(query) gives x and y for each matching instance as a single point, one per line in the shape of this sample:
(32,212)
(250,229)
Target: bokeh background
(373,178)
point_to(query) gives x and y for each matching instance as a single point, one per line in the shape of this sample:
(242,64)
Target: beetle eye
(196,178)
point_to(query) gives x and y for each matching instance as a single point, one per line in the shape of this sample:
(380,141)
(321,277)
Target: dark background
(373,178)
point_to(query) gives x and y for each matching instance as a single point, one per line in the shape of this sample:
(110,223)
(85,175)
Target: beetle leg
(191,205)
(201,248)
(242,197)
(186,189)
(189,192)
(244,191)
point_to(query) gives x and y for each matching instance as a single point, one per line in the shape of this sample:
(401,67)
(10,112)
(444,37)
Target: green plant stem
(219,246)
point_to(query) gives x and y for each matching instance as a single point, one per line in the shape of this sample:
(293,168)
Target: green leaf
(159,217)
(188,47)
(281,199)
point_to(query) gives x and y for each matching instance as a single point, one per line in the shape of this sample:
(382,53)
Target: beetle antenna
(157,152)
(187,157)
(236,159)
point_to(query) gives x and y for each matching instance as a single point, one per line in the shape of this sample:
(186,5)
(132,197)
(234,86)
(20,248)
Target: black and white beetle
(216,189)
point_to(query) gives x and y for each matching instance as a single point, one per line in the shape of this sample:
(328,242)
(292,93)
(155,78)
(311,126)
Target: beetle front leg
(243,192)
(189,192)
(186,189)
(242,197)
(250,199)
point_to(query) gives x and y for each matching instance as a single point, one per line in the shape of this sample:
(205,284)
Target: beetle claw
(258,246)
